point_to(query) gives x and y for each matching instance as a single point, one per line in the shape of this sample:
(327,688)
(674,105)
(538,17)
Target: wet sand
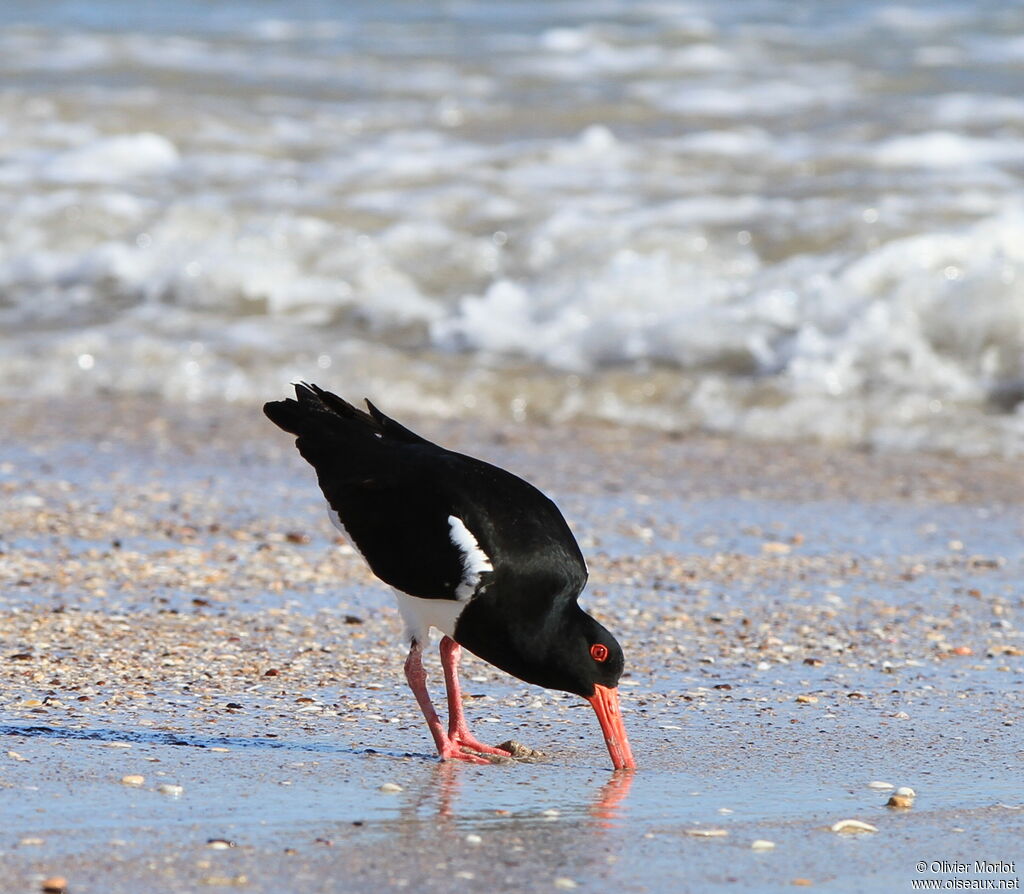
(798,621)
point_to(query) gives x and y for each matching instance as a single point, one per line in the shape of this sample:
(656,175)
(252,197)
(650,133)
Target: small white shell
(851,826)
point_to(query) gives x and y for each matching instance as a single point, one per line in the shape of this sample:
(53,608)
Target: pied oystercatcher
(468,548)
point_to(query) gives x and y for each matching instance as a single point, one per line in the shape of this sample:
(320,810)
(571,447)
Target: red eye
(599,652)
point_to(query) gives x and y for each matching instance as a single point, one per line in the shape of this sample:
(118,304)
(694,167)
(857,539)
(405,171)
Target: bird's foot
(452,750)
(466,741)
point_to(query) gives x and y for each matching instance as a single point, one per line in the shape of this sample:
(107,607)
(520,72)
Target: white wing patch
(474,560)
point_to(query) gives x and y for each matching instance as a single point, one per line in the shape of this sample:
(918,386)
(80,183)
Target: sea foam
(715,217)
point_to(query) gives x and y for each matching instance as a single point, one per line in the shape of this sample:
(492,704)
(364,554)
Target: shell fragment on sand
(852,827)
(900,801)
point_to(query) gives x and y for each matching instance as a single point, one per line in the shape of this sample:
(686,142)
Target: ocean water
(769,219)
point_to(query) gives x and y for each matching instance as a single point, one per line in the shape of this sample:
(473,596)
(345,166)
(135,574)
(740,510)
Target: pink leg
(458,729)
(417,677)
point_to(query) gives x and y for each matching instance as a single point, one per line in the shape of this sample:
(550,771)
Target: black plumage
(404,503)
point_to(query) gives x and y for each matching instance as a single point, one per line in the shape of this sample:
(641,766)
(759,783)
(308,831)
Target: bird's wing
(439,525)
(429,522)
(400,523)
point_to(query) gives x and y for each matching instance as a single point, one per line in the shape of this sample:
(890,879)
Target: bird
(469,549)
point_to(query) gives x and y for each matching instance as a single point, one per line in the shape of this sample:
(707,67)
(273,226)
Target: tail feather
(392,429)
(321,399)
(318,411)
(287,415)
(300,417)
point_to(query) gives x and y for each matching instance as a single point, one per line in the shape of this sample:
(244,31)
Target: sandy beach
(739,285)
(806,630)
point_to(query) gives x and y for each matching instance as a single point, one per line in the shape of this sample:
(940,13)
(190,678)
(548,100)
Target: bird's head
(580,656)
(585,655)
(566,650)
(593,665)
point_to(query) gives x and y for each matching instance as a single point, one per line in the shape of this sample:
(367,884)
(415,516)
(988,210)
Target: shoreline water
(751,219)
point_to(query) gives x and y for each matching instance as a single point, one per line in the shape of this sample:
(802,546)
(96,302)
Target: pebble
(219,844)
(902,798)
(807,699)
(132,779)
(226,881)
(762,844)
(55,884)
(521,752)
(391,787)
(852,826)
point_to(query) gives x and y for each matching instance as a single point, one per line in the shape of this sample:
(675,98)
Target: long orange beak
(606,705)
